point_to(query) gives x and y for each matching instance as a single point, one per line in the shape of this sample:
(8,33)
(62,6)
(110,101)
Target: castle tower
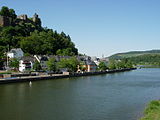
(36,20)
(35,17)
(4,21)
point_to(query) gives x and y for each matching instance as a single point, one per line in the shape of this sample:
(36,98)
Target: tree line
(146,59)
(116,64)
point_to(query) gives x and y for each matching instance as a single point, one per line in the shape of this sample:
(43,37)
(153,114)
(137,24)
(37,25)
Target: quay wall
(37,78)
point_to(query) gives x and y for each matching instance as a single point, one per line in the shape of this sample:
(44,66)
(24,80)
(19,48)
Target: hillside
(149,58)
(134,54)
(28,34)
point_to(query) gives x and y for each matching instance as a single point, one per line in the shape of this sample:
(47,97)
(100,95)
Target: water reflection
(102,97)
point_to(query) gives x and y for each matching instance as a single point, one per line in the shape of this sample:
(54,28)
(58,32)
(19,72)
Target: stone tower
(35,17)
(4,21)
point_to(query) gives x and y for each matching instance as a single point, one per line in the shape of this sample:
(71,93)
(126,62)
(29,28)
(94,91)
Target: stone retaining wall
(36,78)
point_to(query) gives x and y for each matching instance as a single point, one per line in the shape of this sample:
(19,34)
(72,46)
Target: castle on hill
(7,21)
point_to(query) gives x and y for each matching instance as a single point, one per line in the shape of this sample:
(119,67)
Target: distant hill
(134,54)
(146,58)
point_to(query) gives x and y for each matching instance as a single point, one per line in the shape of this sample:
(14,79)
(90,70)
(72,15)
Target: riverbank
(152,111)
(58,76)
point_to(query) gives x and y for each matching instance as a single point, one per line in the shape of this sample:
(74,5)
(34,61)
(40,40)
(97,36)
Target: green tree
(102,66)
(120,64)
(37,66)
(71,64)
(52,65)
(4,11)
(112,64)
(2,58)
(129,64)
(14,63)
(65,52)
(12,14)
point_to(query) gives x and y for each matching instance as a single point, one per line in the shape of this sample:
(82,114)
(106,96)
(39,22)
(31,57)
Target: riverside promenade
(58,76)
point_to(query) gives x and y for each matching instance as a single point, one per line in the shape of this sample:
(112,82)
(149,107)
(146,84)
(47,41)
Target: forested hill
(28,34)
(151,57)
(135,54)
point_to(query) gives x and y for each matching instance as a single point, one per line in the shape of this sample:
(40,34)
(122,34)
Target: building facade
(26,63)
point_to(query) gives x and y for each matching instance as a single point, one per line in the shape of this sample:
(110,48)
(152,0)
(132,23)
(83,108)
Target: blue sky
(99,27)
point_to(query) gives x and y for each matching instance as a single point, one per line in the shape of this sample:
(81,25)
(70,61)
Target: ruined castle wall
(7,21)
(4,21)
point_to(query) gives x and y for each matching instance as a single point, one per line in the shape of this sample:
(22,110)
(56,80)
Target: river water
(118,96)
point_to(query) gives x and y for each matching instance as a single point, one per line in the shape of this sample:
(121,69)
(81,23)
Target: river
(118,96)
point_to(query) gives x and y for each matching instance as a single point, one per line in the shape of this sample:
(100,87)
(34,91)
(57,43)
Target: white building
(15,53)
(26,63)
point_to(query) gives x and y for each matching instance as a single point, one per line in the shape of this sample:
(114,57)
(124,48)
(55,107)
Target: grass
(5,73)
(152,111)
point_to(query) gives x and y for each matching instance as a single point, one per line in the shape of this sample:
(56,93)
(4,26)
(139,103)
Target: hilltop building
(4,21)
(23,17)
(7,21)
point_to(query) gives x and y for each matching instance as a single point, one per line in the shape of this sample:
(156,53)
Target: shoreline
(59,76)
(151,111)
